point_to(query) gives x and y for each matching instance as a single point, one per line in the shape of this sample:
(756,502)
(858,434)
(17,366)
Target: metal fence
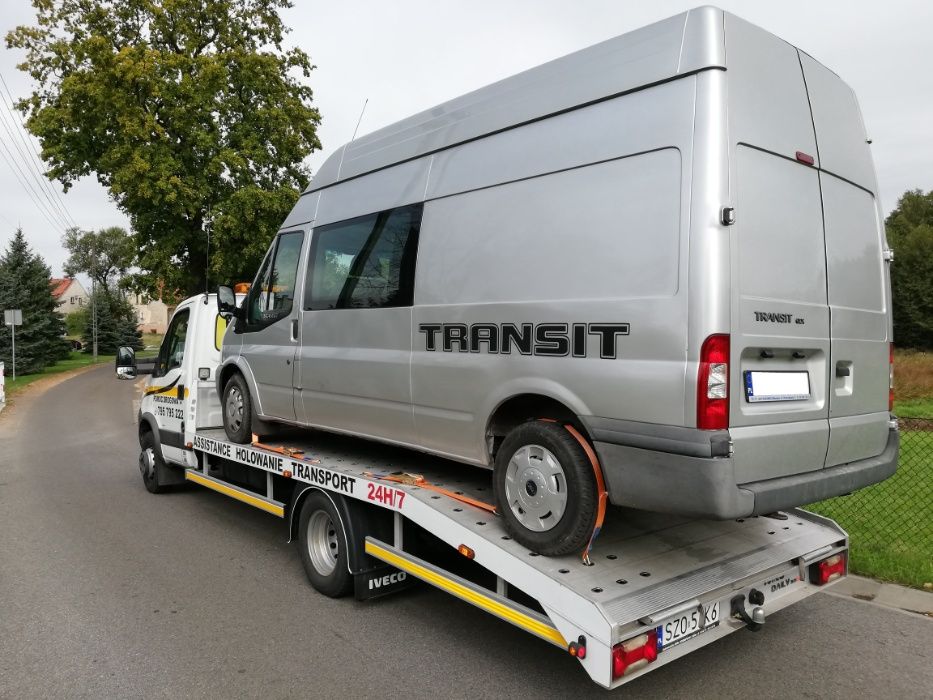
(890,524)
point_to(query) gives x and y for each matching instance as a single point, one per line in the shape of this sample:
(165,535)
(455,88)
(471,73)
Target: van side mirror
(226,302)
(126,363)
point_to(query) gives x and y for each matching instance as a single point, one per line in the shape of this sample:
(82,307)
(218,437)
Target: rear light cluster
(828,570)
(891,378)
(636,653)
(713,384)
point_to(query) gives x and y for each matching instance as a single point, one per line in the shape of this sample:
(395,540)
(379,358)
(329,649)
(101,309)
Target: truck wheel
(322,544)
(149,463)
(238,411)
(545,489)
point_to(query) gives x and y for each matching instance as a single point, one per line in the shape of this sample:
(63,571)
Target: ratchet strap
(600,486)
(422,483)
(419,481)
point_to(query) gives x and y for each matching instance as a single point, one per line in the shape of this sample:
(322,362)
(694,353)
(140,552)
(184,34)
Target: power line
(40,198)
(56,199)
(24,185)
(29,165)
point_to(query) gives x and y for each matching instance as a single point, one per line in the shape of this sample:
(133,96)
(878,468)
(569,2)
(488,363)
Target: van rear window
(364,263)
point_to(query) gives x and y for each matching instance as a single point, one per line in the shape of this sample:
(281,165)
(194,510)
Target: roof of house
(60,285)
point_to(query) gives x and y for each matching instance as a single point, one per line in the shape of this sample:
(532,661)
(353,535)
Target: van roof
(686,43)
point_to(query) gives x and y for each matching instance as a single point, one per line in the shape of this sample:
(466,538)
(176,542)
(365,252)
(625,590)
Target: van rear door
(857,280)
(780,346)
(780,326)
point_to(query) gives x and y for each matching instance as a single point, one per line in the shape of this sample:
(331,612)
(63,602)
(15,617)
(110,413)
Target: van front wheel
(238,411)
(545,489)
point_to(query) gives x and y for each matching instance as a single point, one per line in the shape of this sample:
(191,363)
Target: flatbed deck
(645,567)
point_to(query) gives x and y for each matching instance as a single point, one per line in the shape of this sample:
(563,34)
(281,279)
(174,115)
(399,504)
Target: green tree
(116,323)
(24,284)
(910,233)
(104,256)
(76,321)
(191,112)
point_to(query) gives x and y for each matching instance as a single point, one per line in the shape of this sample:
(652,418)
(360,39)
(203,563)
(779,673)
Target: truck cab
(180,394)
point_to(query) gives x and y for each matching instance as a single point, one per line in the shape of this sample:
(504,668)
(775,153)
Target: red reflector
(633,654)
(713,384)
(578,648)
(805,158)
(831,568)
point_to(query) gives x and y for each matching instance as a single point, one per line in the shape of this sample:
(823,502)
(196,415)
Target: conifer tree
(116,322)
(24,284)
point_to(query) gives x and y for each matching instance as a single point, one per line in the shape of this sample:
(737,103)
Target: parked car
(672,248)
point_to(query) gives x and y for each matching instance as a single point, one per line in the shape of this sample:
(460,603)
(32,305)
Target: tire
(238,411)
(150,461)
(545,489)
(322,544)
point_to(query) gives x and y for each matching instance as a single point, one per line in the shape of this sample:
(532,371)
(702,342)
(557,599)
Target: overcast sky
(408,55)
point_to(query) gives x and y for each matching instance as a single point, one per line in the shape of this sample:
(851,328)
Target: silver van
(670,242)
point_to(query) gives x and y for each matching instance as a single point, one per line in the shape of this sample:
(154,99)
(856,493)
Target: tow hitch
(756,620)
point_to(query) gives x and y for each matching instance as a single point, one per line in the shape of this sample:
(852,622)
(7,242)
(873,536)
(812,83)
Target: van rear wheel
(545,489)
(238,411)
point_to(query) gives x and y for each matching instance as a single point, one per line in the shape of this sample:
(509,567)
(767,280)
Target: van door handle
(842,371)
(294,329)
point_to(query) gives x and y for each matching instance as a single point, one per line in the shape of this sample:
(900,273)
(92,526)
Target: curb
(889,595)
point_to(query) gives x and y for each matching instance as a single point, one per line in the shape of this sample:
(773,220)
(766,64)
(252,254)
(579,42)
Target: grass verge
(890,524)
(151,343)
(76,360)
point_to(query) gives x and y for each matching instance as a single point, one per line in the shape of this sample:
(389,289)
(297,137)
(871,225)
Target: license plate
(687,624)
(777,386)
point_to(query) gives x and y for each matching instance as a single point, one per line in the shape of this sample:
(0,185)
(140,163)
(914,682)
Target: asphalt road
(107,591)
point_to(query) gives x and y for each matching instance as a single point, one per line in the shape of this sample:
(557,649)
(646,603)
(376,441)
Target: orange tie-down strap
(600,486)
(419,481)
(282,450)
(422,483)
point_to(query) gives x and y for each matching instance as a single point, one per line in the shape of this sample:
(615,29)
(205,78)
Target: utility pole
(94,317)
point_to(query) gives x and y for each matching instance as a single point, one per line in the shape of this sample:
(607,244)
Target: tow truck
(370,519)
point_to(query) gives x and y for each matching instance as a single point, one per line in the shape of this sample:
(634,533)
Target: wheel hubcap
(234,408)
(536,488)
(322,543)
(147,463)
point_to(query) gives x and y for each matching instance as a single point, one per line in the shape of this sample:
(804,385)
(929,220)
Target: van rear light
(713,384)
(633,654)
(891,378)
(828,570)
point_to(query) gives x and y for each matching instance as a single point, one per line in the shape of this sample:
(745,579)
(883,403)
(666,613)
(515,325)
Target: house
(152,315)
(70,294)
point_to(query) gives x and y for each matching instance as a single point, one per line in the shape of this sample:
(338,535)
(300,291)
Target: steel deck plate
(642,562)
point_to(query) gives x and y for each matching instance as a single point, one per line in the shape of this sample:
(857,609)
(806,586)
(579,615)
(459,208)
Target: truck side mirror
(126,363)
(226,302)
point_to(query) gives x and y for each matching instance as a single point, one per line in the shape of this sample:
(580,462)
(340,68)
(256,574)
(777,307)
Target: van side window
(172,351)
(271,297)
(365,263)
